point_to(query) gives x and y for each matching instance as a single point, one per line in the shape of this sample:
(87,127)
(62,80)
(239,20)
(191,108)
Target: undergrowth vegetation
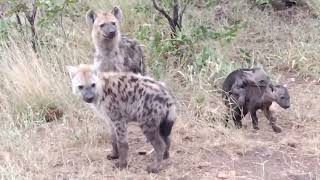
(213,42)
(34,80)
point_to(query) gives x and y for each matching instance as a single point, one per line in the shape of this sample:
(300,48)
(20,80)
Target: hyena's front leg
(254,119)
(122,143)
(159,147)
(115,150)
(271,119)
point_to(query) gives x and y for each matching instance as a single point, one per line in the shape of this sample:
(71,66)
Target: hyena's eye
(93,85)
(80,87)
(113,23)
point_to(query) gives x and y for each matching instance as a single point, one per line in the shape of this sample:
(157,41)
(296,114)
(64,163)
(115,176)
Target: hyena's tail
(167,123)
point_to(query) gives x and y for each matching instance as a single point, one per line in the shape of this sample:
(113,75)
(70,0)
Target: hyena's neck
(103,46)
(108,52)
(268,95)
(106,61)
(107,56)
(106,47)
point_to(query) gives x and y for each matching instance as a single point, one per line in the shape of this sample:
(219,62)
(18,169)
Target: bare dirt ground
(77,148)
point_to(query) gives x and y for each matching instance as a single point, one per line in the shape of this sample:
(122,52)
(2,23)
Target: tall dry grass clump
(32,84)
(35,89)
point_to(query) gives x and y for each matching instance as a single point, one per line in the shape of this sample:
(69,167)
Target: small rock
(179,151)
(222,175)
(302,176)
(184,178)
(292,144)
(226,175)
(203,165)
(142,152)
(188,138)
(298,126)
(292,79)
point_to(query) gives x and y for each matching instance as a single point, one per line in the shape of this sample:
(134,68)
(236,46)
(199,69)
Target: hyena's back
(133,55)
(142,99)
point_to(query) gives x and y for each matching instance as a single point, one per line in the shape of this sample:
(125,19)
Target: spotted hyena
(124,97)
(113,51)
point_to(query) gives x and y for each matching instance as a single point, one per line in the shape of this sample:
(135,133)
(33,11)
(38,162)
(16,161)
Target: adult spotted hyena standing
(113,52)
(125,97)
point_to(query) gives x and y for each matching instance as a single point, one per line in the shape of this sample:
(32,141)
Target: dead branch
(175,21)
(161,10)
(182,12)
(31,16)
(19,22)
(175,16)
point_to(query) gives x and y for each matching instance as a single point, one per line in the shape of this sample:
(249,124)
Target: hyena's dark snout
(89,97)
(286,106)
(109,30)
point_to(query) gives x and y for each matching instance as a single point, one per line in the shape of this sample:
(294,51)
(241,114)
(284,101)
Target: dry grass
(75,146)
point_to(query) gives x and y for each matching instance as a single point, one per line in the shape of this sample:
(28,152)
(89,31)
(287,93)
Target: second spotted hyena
(113,51)
(124,97)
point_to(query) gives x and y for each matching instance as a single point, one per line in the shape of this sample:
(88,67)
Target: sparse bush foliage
(39,15)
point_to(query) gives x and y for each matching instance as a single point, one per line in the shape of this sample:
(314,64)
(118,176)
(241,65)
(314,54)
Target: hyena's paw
(166,155)
(112,156)
(153,168)
(276,129)
(120,165)
(256,127)
(238,124)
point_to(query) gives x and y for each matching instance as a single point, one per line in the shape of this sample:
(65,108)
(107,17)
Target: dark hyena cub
(237,80)
(125,97)
(261,97)
(257,96)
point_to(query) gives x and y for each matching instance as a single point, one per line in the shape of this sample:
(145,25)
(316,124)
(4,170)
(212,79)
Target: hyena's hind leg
(237,114)
(159,146)
(166,128)
(114,142)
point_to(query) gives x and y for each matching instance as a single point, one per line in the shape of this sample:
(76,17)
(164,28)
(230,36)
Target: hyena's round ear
(72,70)
(93,69)
(90,17)
(259,67)
(117,12)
